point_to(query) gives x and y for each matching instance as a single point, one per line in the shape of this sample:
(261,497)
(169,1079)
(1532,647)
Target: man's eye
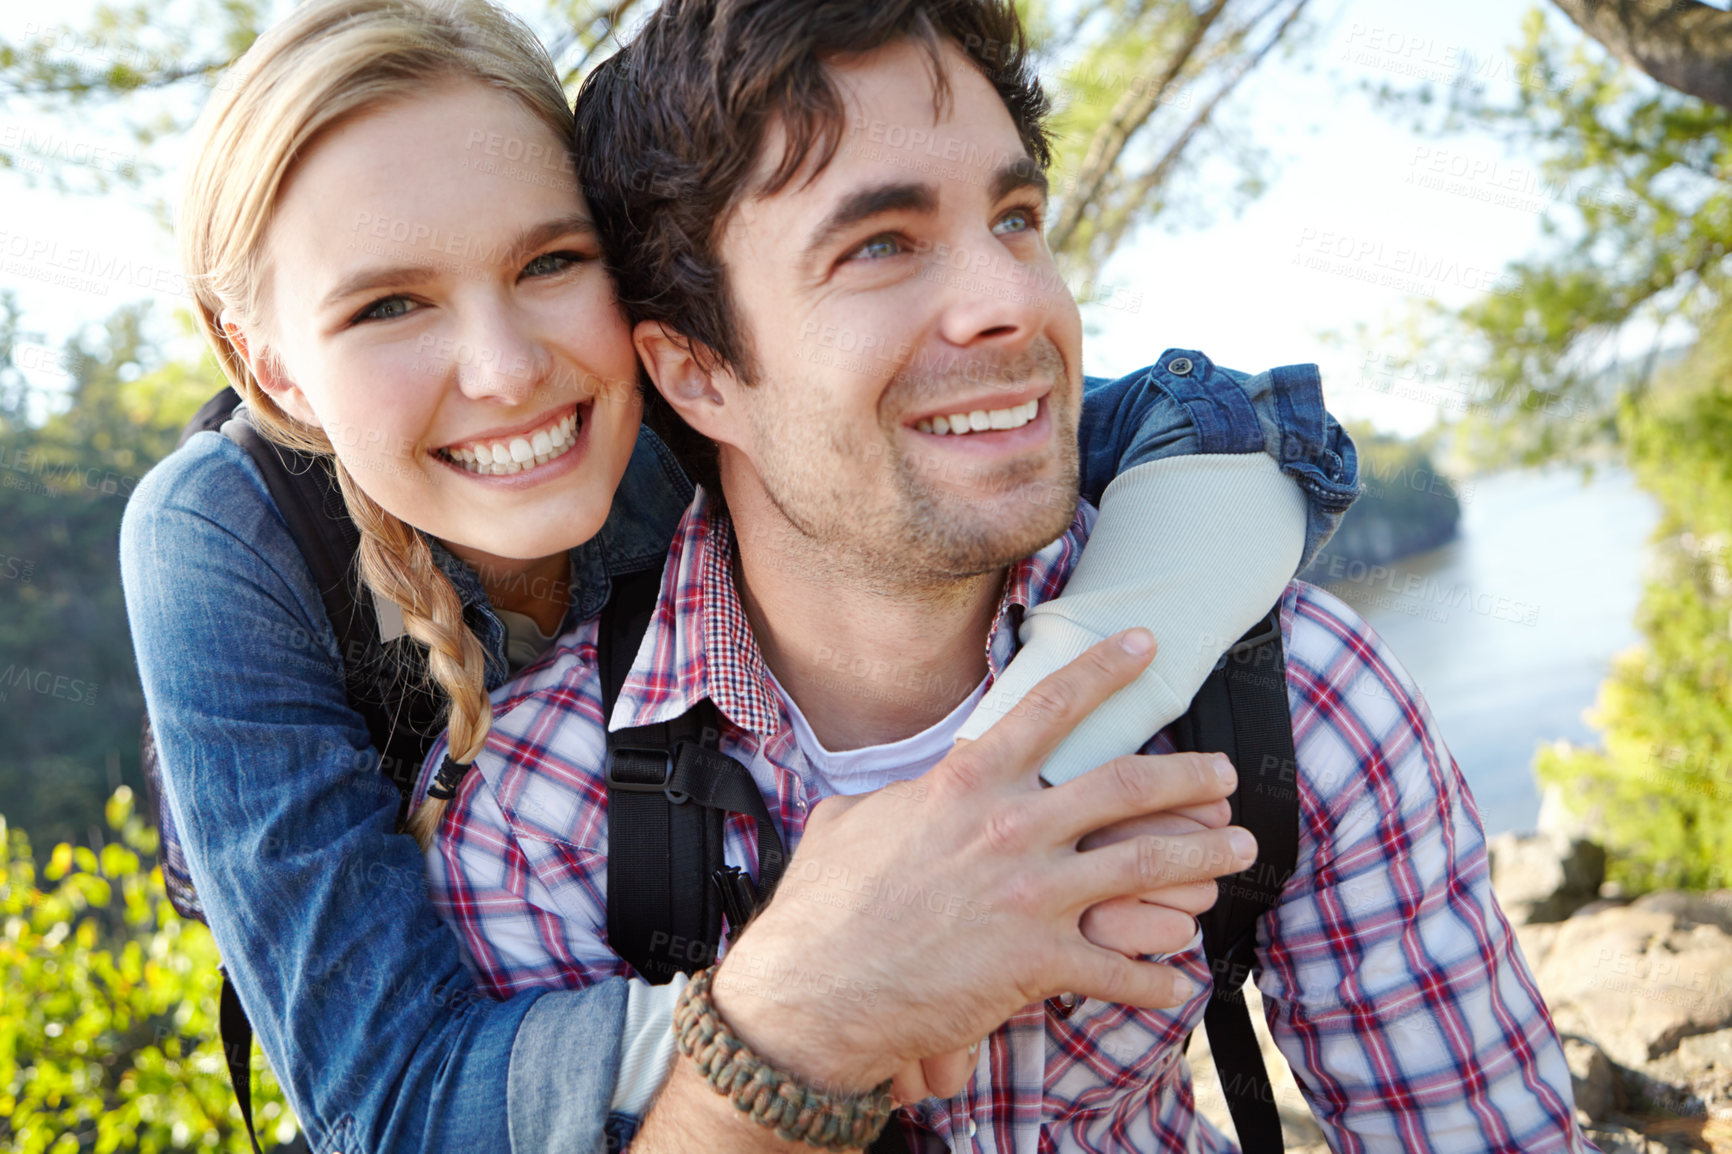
(549,263)
(877,248)
(384,310)
(1017,220)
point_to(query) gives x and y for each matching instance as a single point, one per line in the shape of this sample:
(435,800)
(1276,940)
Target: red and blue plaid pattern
(1393,983)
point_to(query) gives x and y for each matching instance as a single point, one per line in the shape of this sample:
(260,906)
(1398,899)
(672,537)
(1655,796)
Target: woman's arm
(1214,488)
(357,991)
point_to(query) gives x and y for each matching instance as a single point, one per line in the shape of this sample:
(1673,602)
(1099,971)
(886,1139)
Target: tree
(1681,43)
(1640,257)
(1637,255)
(70,703)
(1138,85)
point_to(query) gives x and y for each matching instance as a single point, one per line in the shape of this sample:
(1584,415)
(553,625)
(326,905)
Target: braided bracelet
(772,1097)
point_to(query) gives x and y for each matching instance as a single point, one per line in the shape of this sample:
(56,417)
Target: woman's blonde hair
(329,62)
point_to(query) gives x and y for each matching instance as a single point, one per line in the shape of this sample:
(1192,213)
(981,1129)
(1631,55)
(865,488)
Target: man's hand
(914,921)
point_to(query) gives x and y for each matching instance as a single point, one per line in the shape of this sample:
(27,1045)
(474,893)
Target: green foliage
(108,1008)
(1660,793)
(1642,180)
(70,703)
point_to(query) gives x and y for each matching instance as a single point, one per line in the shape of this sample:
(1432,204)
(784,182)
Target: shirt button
(972,1127)
(1180,366)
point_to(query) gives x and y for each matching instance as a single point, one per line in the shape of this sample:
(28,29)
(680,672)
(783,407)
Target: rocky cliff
(1641,993)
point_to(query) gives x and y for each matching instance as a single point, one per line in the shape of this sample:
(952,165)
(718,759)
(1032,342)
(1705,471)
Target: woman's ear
(700,395)
(267,370)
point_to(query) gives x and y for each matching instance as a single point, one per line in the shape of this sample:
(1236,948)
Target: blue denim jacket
(357,991)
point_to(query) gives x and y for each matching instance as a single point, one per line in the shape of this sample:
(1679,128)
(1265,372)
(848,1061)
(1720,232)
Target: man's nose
(992,297)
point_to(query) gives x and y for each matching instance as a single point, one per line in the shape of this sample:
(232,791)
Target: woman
(416,318)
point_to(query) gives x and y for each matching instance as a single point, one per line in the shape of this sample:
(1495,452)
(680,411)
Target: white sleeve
(1195,549)
(646,1046)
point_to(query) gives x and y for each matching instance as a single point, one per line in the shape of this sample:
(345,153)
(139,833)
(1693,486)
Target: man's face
(904,296)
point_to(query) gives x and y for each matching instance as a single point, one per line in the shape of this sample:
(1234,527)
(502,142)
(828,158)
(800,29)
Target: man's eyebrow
(867,203)
(521,246)
(1018,174)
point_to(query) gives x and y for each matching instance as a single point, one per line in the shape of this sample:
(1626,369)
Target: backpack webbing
(669,791)
(1242,711)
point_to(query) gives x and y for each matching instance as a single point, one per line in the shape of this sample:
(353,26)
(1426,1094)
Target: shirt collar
(700,643)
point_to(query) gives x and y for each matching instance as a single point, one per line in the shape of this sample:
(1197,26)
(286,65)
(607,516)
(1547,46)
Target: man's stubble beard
(922,535)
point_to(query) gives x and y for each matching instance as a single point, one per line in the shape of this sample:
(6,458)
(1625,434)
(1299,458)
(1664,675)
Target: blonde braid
(396,563)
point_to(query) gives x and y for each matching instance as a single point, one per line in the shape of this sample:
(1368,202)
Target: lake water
(1510,629)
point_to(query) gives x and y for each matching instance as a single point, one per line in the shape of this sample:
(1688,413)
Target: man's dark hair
(669,132)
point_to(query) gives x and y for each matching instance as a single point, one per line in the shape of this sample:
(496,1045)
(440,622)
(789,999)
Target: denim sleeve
(356,989)
(1184,403)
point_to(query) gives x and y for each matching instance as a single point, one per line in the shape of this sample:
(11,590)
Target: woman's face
(435,300)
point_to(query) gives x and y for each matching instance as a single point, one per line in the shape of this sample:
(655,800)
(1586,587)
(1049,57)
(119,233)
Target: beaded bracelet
(769,1096)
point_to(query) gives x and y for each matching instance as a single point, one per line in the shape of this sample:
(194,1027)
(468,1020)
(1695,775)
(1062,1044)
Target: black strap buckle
(619,758)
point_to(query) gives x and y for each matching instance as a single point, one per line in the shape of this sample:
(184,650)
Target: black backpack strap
(1242,711)
(669,791)
(235,1033)
(401,710)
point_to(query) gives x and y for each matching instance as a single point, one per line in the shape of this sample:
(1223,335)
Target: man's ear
(700,395)
(268,371)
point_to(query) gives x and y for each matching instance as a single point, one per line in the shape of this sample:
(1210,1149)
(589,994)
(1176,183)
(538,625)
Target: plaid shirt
(1392,981)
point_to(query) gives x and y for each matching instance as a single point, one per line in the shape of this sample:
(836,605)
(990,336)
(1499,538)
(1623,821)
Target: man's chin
(969,533)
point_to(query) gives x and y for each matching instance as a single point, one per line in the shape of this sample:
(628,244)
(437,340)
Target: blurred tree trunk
(1137,84)
(1681,43)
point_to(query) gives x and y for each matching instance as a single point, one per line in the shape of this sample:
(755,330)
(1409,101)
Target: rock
(1299,1128)
(1621,1140)
(1637,979)
(1591,1074)
(1699,1072)
(1545,877)
(1709,909)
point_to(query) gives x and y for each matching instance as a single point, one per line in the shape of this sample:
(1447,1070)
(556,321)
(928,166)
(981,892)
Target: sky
(1364,219)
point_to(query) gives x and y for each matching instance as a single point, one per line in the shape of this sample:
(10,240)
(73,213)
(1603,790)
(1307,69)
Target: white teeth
(521,453)
(982,420)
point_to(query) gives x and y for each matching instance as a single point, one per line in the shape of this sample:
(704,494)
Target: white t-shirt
(875,766)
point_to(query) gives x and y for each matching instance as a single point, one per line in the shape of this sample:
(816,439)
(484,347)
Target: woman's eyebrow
(527,240)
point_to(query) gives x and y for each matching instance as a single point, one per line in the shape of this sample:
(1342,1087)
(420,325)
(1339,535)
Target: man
(841,527)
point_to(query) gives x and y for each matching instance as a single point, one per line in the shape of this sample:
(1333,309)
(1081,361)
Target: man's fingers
(947,1074)
(1133,928)
(909,1084)
(1149,863)
(1021,740)
(1168,823)
(1214,814)
(1195,898)
(1108,976)
(1135,785)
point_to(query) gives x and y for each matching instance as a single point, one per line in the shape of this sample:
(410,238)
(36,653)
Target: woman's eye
(388,309)
(877,248)
(1016,220)
(549,263)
